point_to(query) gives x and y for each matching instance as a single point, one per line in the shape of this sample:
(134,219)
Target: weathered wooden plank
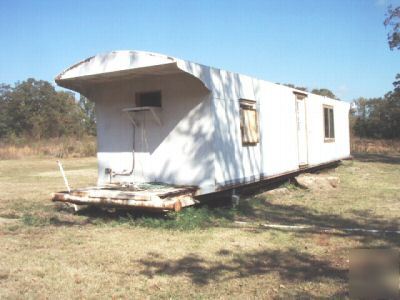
(160,204)
(156,203)
(155,196)
(140,195)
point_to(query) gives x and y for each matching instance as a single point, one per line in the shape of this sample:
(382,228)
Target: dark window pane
(331,124)
(326,122)
(149,99)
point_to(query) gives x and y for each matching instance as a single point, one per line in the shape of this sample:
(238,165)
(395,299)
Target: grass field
(29,147)
(49,252)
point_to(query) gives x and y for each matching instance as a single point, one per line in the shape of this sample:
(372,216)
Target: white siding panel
(244,87)
(319,150)
(278,129)
(228,154)
(178,152)
(234,162)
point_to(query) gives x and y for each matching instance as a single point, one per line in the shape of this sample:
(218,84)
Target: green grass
(191,218)
(201,252)
(32,220)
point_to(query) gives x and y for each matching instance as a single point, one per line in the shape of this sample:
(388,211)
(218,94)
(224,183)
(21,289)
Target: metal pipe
(76,208)
(63,175)
(133,157)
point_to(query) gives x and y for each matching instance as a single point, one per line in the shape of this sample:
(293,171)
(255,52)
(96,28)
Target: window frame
(331,123)
(249,105)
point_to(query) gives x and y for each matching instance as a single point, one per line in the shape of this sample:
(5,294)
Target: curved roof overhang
(121,65)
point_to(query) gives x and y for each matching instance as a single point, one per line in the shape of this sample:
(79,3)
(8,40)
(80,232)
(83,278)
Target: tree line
(380,117)
(322,92)
(35,109)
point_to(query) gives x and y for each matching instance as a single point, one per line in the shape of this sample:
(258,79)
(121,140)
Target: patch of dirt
(277,191)
(317,181)
(354,169)
(7,221)
(323,240)
(4,274)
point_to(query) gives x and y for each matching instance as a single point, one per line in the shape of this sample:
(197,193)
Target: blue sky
(338,44)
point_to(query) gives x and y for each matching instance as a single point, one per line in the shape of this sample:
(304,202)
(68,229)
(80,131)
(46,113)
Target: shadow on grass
(288,266)
(300,215)
(380,158)
(252,210)
(267,212)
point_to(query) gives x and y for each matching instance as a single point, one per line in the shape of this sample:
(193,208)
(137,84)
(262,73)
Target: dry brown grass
(359,145)
(58,254)
(56,147)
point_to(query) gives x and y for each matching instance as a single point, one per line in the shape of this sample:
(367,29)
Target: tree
(392,22)
(295,87)
(33,108)
(378,117)
(324,92)
(396,83)
(393,99)
(4,115)
(90,115)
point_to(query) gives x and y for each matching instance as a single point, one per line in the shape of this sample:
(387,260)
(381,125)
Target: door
(302,146)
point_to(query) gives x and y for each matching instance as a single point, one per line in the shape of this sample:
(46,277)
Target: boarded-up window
(152,99)
(249,122)
(329,124)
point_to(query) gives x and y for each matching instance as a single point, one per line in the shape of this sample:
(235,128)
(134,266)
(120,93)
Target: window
(152,99)
(249,122)
(329,124)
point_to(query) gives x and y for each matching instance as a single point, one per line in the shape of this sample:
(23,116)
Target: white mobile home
(167,120)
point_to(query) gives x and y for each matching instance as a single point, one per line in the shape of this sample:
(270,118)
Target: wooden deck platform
(154,196)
